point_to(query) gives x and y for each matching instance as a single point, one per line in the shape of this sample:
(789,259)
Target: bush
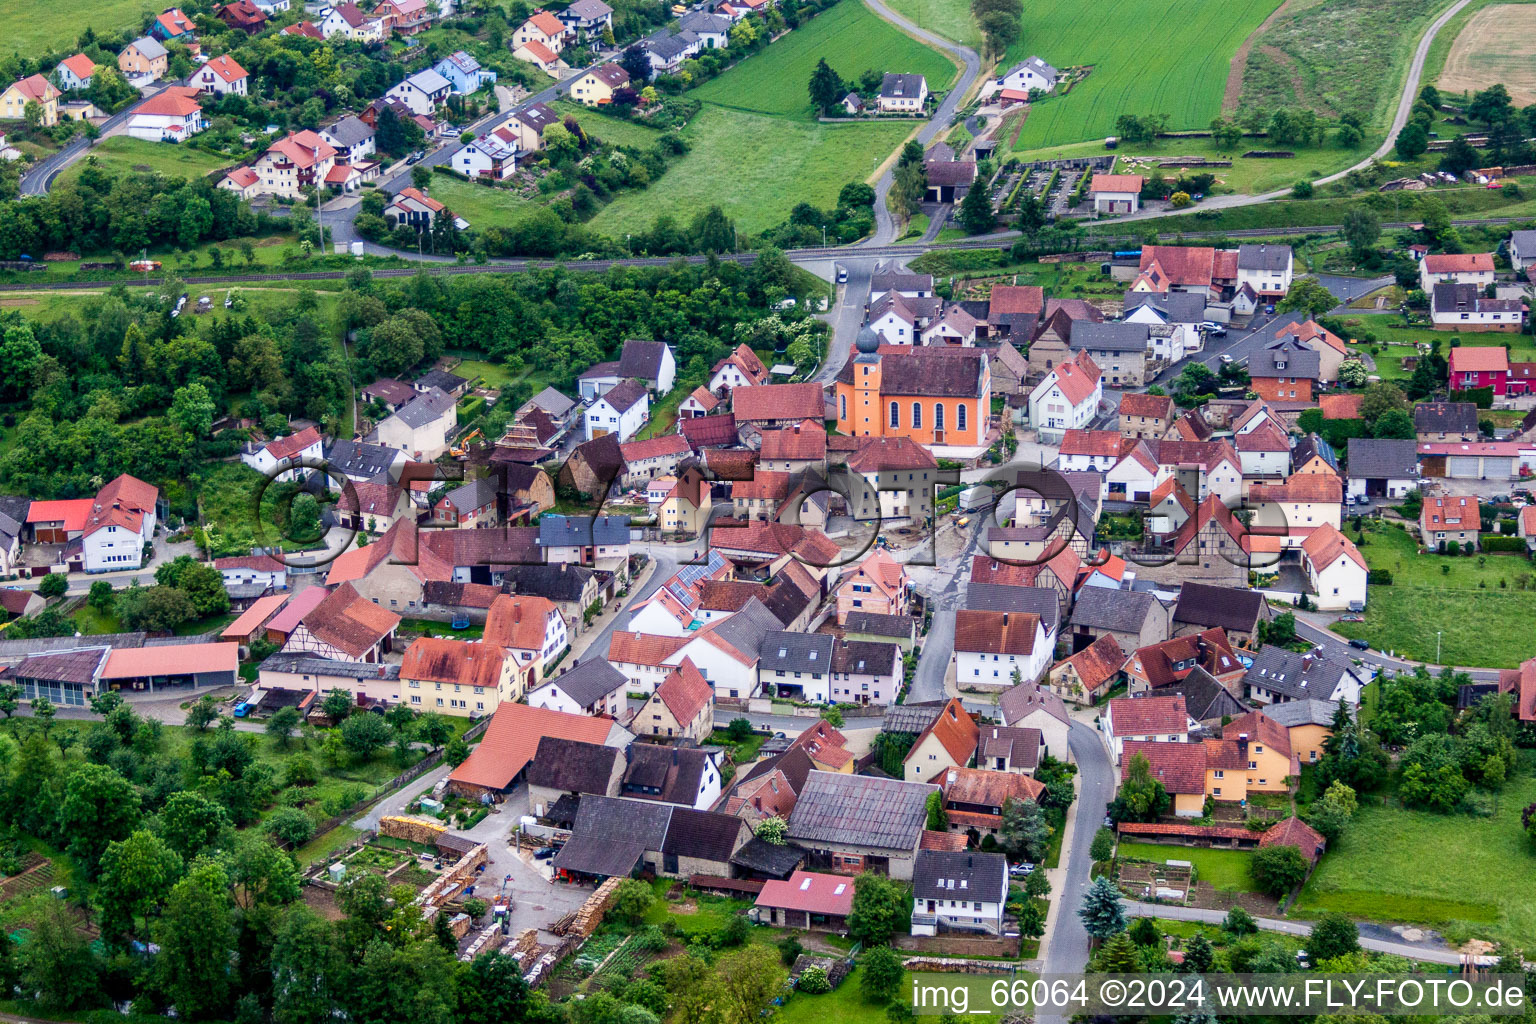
(475,908)
(631,900)
(813,982)
(1379,577)
(290,825)
(1492,542)
(790,949)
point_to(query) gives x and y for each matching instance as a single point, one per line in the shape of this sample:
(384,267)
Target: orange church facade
(932,396)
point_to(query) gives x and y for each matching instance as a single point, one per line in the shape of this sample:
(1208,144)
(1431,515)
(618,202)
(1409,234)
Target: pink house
(1479,366)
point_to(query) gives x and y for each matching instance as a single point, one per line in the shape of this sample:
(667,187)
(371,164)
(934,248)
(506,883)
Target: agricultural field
(1223,869)
(121,155)
(948,18)
(32,27)
(1246,176)
(1497,44)
(1432,869)
(756,168)
(1148,56)
(851,37)
(1337,56)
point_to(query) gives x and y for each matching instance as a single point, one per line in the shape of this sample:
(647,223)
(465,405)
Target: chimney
(1005,620)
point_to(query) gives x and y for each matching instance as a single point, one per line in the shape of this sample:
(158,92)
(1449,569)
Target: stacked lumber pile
(414,830)
(489,939)
(591,913)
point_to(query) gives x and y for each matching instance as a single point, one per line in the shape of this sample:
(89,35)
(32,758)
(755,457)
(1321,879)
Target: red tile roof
(811,892)
(988,787)
(226,68)
(986,632)
(1340,407)
(547,23)
(171,660)
(1077,379)
(1097,662)
(1179,265)
(952,841)
(72,512)
(806,441)
(1260,729)
(79,65)
(685,692)
(1016,298)
(123,502)
(254,617)
(1522,683)
(655,447)
(1325,544)
(513,736)
(1308,487)
(1158,828)
(1295,832)
(1116,183)
(441,660)
(519,622)
(350,622)
(625,648)
(293,444)
(779,402)
(1138,404)
(1146,716)
(1479,358)
(1092,442)
(1454,513)
(1180,767)
(956,730)
(1459,263)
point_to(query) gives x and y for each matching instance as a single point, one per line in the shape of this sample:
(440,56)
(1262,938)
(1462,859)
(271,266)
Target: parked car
(242,709)
(544,853)
(1021,870)
(1360,645)
(1226,358)
(1212,327)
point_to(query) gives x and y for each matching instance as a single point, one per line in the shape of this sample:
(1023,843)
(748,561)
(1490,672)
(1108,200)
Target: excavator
(461,450)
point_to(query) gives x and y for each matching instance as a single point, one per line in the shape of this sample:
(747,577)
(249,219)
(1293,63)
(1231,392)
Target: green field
(948,18)
(756,168)
(617,131)
(1223,869)
(851,37)
(1434,869)
(1251,175)
(1338,56)
(481,205)
(1149,57)
(121,155)
(31,28)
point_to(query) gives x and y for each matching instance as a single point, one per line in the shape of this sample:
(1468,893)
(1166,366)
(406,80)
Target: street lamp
(1437,646)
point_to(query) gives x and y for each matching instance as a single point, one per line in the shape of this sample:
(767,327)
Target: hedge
(1493,542)
(1379,577)
(1483,397)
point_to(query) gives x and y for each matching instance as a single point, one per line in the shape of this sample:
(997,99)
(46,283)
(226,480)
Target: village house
(456,677)
(1147,719)
(348,21)
(1116,193)
(656,456)
(682,706)
(621,411)
(808,900)
(650,362)
(1142,415)
(1031,706)
(974,799)
(901,94)
(592,688)
(1235,611)
(74,72)
(949,741)
(1172,661)
(1308,724)
(32,89)
(1479,366)
(372,506)
(542,27)
(1445,421)
(1463,307)
(464,72)
(1122,351)
(343,626)
(422,427)
(1182,312)
(773,406)
(742,368)
(468,506)
(597,86)
(493,155)
(286,458)
(587,18)
(1382,467)
(243,15)
(1028,75)
(1293,509)
(145,59)
(1089,674)
(422,92)
(1474,268)
(498,762)
(856,823)
(1336,570)
(170,116)
(1285,370)
(959,891)
(989,647)
(405,17)
(1134,618)
(877,584)
(1267,269)
(1278,675)
(297,161)
(1067,399)
(171,24)
(1447,519)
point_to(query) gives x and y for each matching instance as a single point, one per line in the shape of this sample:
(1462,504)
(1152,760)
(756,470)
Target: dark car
(544,853)
(1360,645)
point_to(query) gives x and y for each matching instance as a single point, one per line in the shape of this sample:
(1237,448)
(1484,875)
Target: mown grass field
(852,39)
(949,18)
(756,168)
(1149,57)
(1338,56)
(1479,622)
(32,27)
(482,206)
(121,155)
(615,130)
(1223,869)
(1433,869)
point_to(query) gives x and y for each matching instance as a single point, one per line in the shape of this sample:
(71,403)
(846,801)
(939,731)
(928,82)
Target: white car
(1212,327)
(1226,358)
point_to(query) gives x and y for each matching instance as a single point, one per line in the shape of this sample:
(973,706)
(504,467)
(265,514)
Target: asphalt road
(666,565)
(885,224)
(933,663)
(39,177)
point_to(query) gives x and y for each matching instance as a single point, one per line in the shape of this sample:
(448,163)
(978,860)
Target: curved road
(885,224)
(38,178)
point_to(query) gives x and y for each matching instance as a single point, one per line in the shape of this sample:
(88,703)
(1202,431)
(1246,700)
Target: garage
(1463,467)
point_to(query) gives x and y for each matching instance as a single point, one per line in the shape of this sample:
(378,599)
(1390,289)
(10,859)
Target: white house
(422,92)
(545,28)
(1456,268)
(222,76)
(959,891)
(622,410)
(1086,451)
(1182,311)
(1116,193)
(1134,477)
(866,672)
(529,626)
(1150,719)
(1522,251)
(593,687)
(650,362)
(1462,307)
(351,138)
(169,116)
(990,646)
(75,72)
(1267,269)
(252,570)
(742,368)
(280,458)
(348,21)
(493,156)
(893,321)
(1335,569)
(902,94)
(1068,398)
(120,523)
(421,427)
(1028,75)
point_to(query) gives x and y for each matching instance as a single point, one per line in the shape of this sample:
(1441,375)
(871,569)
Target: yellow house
(597,86)
(454,677)
(1226,773)
(686,507)
(34,88)
(826,747)
(950,741)
(1266,749)
(1180,767)
(1308,724)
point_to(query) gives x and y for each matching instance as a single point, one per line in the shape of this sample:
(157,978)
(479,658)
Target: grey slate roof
(149,47)
(1525,241)
(911,718)
(440,379)
(429,81)
(1204,697)
(557,581)
(669,46)
(1445,417)
(1123,611)
(476,494)
(865,657)
(1036,65)
(1263,257)
(888,277)
(901,86)
(765,858)
(1203,605)
(350,131)
(797,652)
(642,359)
(874,624)
(284,661)
(669,774)
(1294,676)
(538,116)
(1286,357)
(572,766)
(573,531)
(1372,458)
(1313,444)
(748,628)
(1450,297)
(590,681)
(699,22)
(641,822)
(624,394)
(1111,337)
(553,402)
(1176,307)
(588,10)
(358,458)
(1000,597)
(704,835)
(425,408)
(885,814)
(1311,711)
(1020,745)
(960,875)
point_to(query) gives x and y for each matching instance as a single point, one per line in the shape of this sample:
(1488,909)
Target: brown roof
(950,841)
(627,648)
(1340,407)
(1092,442)
(514,735)
(1098,661)
(1145,716)
(937,372)
(956,730)
(350,622)
(400,545)
(1311,487)
(1137,404)
(1208,649)
(519,621)
(1440,511)
(438,659)
(877,454)
(1260,729)
(1522,683)
(986,787)
(779,402)
(1295,832)
(1179,265)
(803,441)
(685,692)
(1459,263)
(771,485)
(654,447)
(1165,828)
(996,632)
(1180,767)
(1016,298)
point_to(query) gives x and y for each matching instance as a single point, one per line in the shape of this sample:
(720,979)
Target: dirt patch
(323,902)
(1233,93)
(18,302)
(1498,44)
